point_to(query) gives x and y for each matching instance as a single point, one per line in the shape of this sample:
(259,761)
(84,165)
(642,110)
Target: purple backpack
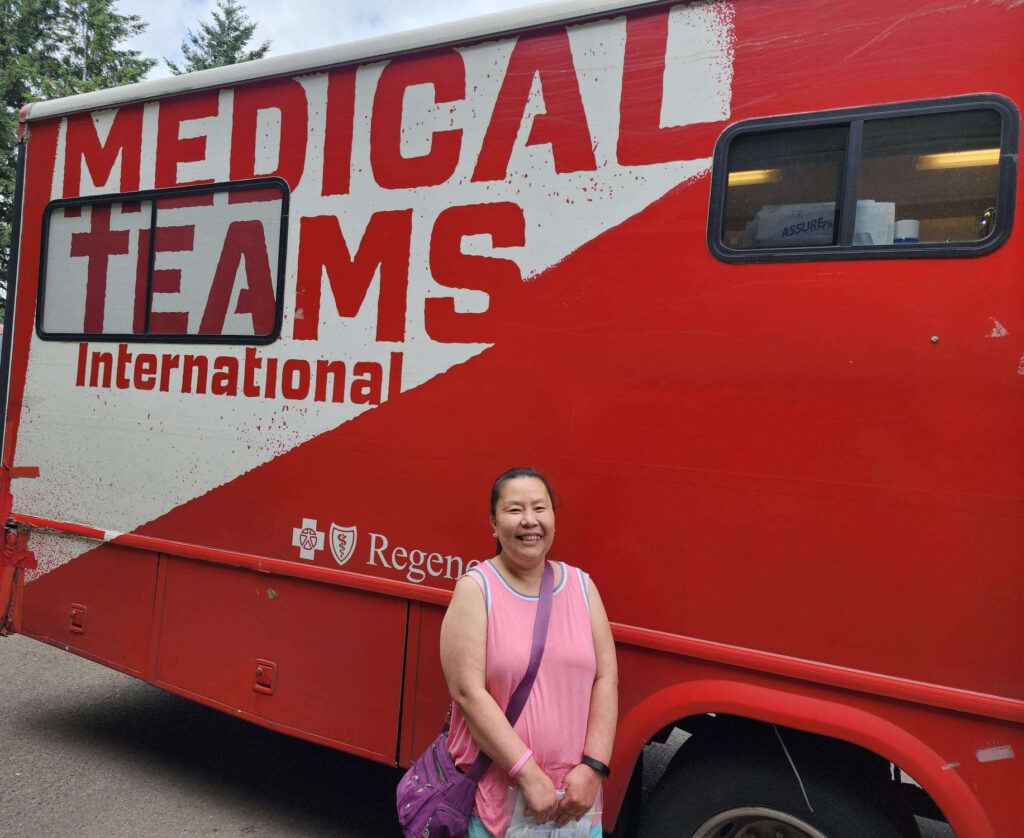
(435,799)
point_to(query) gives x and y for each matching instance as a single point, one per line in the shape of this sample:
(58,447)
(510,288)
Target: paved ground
(89,752)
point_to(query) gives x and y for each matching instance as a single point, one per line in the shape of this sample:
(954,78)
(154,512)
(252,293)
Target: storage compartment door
(315,660)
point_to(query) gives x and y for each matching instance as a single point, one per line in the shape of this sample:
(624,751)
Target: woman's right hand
(538,792)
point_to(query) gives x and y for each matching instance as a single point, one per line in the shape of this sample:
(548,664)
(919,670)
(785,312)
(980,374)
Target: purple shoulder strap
(540,633)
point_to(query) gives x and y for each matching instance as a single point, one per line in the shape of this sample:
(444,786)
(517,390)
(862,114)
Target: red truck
(744,278)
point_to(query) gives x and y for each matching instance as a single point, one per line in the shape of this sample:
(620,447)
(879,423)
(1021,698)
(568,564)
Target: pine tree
(222,42)
(28,48)
(90,32)
(51,48)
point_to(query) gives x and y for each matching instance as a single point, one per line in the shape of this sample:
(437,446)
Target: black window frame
(854,119)
(153,196)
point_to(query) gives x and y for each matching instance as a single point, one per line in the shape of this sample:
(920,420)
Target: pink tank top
(554,720)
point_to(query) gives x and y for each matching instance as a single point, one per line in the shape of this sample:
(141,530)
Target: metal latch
(265,676)
(77,619)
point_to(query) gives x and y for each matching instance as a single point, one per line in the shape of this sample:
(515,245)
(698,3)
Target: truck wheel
(731,797)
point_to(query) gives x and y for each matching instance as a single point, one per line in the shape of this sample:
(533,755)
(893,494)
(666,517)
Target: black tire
(720,796)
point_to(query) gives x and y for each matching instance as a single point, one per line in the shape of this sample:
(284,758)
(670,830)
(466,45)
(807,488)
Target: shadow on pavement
(141,724)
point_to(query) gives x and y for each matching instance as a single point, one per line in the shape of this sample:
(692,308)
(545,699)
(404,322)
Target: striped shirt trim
(484,584)
(516,593)
(585,588)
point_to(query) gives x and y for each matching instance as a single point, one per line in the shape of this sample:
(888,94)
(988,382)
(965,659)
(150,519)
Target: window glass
(783,187)
(94,267)
(195,263)
(928,178)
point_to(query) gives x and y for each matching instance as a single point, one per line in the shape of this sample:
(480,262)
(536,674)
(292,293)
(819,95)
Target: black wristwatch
(597,765)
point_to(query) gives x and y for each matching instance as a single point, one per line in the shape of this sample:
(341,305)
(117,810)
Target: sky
(295,25)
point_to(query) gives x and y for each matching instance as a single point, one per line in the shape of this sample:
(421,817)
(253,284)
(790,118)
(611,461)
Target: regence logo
(414,563)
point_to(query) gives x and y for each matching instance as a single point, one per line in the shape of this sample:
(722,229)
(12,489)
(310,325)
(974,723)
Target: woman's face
(524,520)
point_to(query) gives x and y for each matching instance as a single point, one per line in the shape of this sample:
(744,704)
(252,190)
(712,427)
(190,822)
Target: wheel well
(715,734)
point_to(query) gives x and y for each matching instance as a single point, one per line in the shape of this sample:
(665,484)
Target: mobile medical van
(744,278)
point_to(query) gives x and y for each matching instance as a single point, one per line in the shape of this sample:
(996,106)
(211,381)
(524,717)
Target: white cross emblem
(308,539)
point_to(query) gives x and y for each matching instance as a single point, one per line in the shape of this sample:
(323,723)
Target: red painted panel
(38,171)
(937,748)
(338,652)
(427,697)
(738,440)
(116,585)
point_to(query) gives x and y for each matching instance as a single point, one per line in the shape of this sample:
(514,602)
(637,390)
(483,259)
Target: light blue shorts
(478,830)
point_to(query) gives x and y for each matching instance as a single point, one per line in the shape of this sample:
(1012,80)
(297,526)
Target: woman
(568,723)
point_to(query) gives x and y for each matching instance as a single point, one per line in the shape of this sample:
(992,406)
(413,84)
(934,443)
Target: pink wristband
(522,761)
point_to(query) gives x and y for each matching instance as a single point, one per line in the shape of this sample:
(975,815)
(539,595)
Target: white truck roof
(415,40)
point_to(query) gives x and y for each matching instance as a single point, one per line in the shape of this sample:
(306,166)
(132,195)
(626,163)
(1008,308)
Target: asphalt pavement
(92,753)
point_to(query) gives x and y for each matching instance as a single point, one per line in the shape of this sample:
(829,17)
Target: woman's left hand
(581,786)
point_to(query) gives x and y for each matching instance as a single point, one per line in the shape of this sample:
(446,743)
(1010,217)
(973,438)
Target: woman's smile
(524,520)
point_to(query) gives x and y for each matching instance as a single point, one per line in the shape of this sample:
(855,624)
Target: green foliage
(222,42)
(89,32)
(28,48)
(52,48)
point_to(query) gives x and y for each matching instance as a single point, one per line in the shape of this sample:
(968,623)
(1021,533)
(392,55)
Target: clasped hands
(581,785)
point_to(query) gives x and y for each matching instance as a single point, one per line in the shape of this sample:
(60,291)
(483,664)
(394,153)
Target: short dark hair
(512,474)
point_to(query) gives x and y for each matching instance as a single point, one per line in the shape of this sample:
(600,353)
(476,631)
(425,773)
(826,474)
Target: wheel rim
(756,822)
